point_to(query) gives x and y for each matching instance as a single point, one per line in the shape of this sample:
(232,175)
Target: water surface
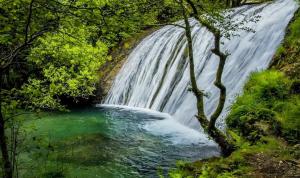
(111,142)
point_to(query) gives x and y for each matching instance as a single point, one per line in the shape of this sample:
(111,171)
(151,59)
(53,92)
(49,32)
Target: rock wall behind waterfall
(156,74)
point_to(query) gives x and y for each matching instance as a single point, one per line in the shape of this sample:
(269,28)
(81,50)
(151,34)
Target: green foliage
(73,41)
(56,174)
(266,107)
(68,65)
(121,19)
(268,86)
(291,121)
(14,18)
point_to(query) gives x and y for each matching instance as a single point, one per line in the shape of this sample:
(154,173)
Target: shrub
(250,122)
(270,105)
(268,85)
(291,122)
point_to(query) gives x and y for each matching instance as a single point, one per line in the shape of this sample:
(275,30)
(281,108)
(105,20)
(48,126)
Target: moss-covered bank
(264,122)
(287,58)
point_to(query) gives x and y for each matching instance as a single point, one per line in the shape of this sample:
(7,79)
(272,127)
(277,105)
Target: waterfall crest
(156,74)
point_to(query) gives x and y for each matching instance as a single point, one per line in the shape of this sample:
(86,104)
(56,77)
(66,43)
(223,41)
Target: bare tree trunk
(219,137)
(198,93)
(4,151)
(14,144)
(3,144)
(227,3)
(208,125)
(218,81)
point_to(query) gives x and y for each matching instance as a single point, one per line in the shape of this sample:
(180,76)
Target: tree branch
(197,92)
(27,28)
(209,126)
(10,58)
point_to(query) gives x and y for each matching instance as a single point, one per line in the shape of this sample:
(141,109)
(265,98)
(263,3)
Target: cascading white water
(156,74)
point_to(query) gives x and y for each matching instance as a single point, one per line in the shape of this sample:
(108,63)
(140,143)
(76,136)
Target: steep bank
(264,121)
(287,58)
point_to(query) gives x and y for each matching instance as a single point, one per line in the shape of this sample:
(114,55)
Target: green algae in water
(100,142)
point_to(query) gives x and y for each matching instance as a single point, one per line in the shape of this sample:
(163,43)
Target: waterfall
(156,74)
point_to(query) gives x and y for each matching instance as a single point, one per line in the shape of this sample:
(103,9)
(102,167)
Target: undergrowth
(264,120)
(269,106)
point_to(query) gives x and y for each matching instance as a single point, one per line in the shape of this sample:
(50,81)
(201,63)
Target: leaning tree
(212,16)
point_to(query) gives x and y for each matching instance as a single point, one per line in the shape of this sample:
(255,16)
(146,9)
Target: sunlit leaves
(68,65)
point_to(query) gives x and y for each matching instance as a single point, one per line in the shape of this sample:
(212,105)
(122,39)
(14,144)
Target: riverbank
(269,111)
